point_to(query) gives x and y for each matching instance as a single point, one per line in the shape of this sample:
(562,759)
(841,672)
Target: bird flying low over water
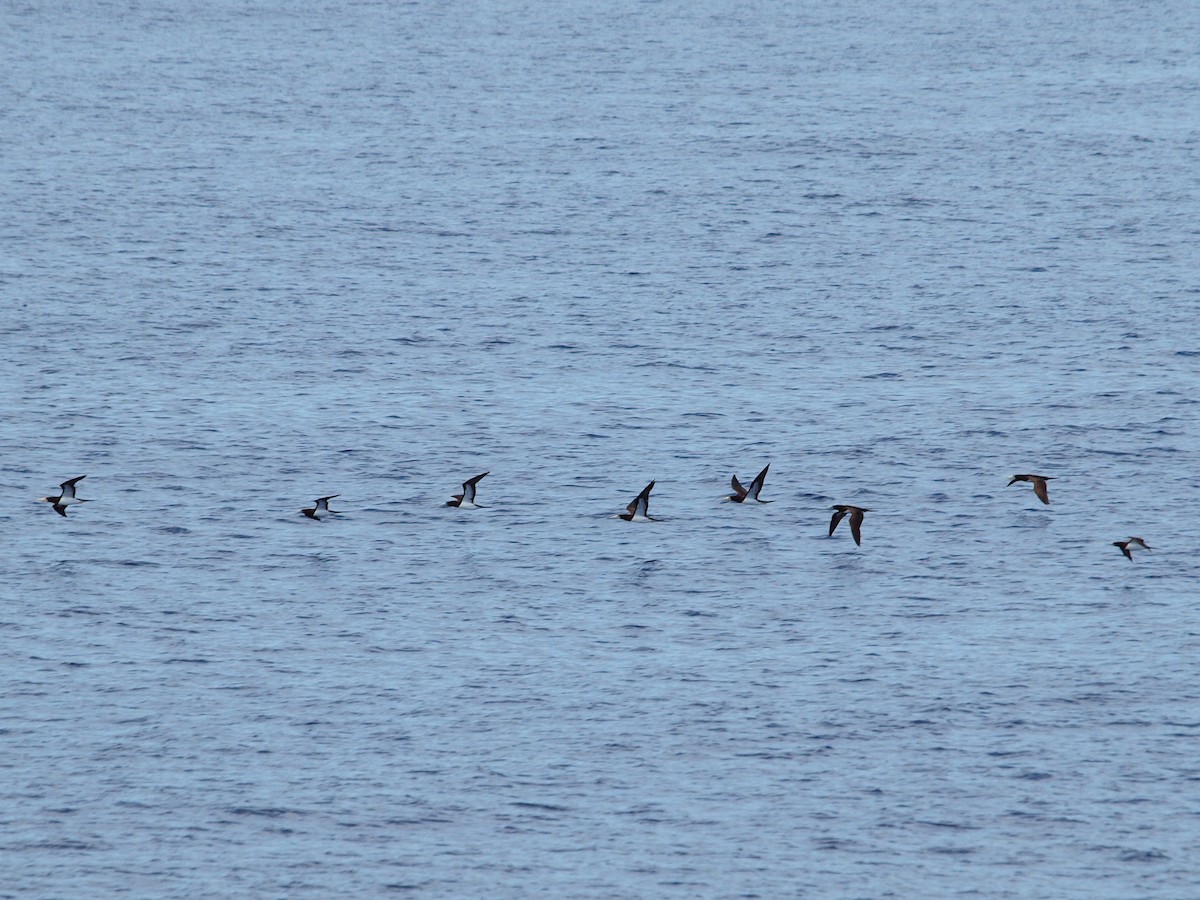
(856,519)
(320,505)
(66,496)
(745,495)
(1038,482)
(1134,543)
(466,500)
(639,509)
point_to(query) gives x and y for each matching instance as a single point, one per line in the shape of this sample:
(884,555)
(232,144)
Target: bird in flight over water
(746,495)
(320,505)
(1038,482)
(1134,543)
(856,518)
(639,509)
(66,496)
(466,500)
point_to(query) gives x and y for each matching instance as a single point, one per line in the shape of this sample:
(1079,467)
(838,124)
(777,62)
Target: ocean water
(256,253)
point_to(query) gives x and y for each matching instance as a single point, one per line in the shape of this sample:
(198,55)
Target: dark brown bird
(856,518)
(1039,485)
(745,495)
(1134,543)
(320,505)
(466,500)
(66,496)
(639,509)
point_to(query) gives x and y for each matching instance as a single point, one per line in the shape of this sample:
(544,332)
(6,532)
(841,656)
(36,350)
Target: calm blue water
(258,253)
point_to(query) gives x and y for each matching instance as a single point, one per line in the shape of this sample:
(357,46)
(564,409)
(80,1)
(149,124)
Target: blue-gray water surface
(257,253)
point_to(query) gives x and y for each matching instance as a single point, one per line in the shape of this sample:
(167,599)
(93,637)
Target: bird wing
(833,523)
(641,506)
(757,484)
(739,492)
(1039,488)
(67,488)
(856,519)
(469,488)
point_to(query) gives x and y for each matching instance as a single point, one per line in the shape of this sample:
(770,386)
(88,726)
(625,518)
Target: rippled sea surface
(257,253)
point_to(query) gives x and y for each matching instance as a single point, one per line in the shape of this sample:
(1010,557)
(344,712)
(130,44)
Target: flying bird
(638,510)
(320,505)
(745,495)
(65,497)
(1039,485)
(856,519)
(466,500)
(1134,543)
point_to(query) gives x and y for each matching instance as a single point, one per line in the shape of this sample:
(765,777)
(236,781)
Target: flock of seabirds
(639,509)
